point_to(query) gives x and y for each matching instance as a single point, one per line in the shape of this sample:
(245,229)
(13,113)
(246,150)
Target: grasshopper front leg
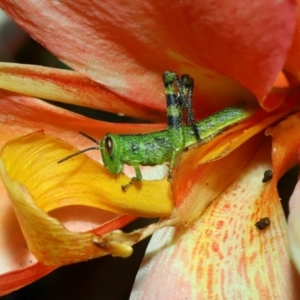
(138,177)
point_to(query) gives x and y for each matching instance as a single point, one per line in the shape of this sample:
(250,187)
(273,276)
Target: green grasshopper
(159,147)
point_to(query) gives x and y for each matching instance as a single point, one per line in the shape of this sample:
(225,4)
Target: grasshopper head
(111,153)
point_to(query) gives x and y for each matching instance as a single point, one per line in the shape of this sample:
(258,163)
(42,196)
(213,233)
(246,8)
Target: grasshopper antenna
(89,137)
(82,151)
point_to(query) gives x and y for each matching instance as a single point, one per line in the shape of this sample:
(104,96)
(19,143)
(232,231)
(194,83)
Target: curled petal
(25,268)
(30,164)
(47,239)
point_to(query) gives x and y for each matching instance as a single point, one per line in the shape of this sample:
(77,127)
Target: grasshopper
(163,146)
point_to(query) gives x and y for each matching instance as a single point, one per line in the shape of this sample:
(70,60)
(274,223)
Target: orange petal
(22,115)
(24,267)
(68,87)
(285,155)
(285,146)
(129,59)
(222,254)
(19,278)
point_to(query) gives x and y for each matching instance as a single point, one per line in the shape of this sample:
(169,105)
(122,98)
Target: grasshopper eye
(111,149)
(109,145)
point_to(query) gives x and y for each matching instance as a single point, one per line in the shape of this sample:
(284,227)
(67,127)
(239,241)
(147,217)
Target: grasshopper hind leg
(179,94)
(186,88)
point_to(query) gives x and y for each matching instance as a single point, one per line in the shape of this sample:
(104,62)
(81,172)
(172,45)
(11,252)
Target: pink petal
(294,226)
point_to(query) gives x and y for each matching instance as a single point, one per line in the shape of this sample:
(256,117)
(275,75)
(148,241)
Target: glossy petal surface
(127,47)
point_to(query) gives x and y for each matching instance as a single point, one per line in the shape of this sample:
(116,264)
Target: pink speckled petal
(222,255)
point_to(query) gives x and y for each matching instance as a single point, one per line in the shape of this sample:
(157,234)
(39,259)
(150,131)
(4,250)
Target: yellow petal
(36,184)
(45,236)
(32,160)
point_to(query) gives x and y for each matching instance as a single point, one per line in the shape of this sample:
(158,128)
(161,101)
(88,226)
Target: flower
(124,51)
